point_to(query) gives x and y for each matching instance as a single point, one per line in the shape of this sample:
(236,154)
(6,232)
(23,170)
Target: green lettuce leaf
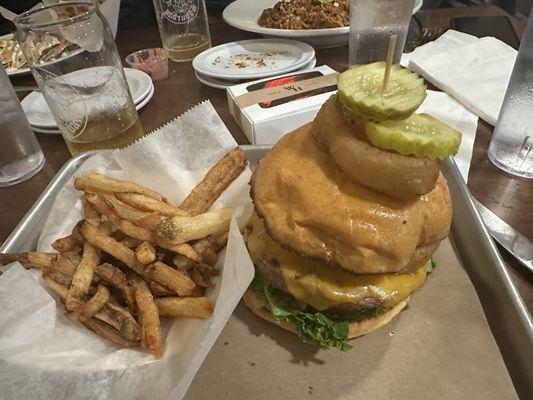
(310,324)
(430,266)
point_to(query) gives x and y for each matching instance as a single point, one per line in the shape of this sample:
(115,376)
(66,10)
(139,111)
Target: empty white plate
(224,84)
(39,114)
(253,59)
(243,14)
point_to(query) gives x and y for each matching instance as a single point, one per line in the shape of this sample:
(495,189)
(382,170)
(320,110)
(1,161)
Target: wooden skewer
(390,55)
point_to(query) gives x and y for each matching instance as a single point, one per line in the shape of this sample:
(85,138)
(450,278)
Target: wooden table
(509,197)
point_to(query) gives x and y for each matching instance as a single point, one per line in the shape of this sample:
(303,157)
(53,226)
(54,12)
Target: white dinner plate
(223,84)
(26,70)
(139,83)
(243,14)
(145,101)
(253,59)
(14,71)
(39,114)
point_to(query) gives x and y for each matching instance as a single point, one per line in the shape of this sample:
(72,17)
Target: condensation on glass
(83,81)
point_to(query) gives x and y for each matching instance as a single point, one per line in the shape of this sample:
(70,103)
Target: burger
(349,209)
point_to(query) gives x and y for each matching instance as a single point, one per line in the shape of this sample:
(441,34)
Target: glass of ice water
(21,156)
(72,55)
(183,28)
(372,22)
(511,146)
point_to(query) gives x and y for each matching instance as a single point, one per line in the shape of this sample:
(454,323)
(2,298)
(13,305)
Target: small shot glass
(152,61)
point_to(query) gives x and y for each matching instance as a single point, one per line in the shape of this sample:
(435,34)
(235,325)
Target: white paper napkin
(447,41)
(474,71)
(43,355)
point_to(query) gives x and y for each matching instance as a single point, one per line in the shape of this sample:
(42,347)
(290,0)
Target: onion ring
(388,172)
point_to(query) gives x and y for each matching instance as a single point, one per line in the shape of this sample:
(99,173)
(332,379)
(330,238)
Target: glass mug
(72,55)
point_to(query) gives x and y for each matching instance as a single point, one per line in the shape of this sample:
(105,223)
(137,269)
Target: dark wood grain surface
(509,197)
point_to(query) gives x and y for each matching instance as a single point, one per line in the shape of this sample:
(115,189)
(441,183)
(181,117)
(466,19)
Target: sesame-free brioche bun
(312,208)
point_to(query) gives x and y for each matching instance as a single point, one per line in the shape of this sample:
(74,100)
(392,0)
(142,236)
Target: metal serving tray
(508,317)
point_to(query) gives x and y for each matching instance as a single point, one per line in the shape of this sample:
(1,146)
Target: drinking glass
(183,27)
(154,62)
(20,154)
(511,146)
(72,55)
(372,22)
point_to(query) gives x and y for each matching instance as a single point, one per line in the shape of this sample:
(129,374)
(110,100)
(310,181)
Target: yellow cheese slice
(323,286)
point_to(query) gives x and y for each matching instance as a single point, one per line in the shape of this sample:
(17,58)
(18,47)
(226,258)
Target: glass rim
(161,55)
(91,9)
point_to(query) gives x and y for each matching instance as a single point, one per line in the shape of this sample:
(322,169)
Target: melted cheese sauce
(323,286)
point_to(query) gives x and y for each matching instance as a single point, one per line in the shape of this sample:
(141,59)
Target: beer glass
(72,55)
(183,27)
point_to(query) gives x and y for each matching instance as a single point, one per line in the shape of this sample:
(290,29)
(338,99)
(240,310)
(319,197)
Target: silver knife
(514,242)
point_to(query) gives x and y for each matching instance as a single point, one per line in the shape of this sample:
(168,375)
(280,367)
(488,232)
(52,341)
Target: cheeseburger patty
(272,273)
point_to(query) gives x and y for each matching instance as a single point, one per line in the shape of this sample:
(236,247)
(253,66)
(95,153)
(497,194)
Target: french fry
(184,249)
(198,291)
(219,240)
(112,314)
(81,281)
(67,263)
(196,307)
(159,290)
(207,250)
(149,204)
(56,287)
(123,210)
(120,319)
(181,262)
(149,317)
(70,242)
(145,253)
(95,182)
(116,278)
(209,247)
(29,259)
(184,229)
(94,235)
(94,304)
(173,279)
(150,221)
(130,242)
(127,227)
(119,236)
(89,211)
(107,332)
(202,274)
(219,177)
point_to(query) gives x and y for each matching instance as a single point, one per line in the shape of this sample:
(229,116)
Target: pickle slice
(419,135)
(360,90)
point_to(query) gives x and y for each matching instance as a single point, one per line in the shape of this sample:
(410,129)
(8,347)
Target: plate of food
(322,24)
(50,48)
(333,242)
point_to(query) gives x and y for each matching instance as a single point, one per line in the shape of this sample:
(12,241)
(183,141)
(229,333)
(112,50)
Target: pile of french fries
(136,258)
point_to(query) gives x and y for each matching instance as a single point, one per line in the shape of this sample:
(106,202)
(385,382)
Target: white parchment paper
(43,355)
